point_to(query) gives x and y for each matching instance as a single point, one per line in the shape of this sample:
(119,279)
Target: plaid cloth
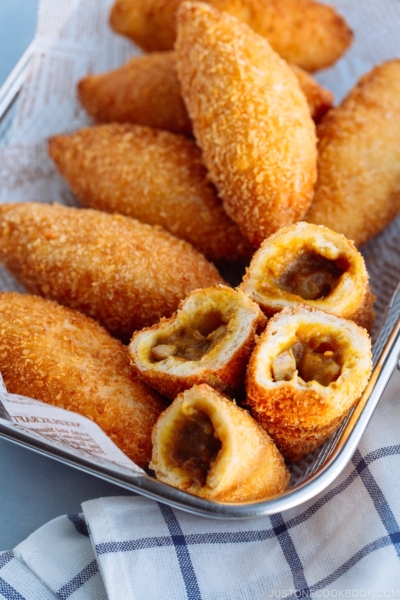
(344,544)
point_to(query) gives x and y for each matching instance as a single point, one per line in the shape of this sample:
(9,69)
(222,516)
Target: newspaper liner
(73,39)
(62,429)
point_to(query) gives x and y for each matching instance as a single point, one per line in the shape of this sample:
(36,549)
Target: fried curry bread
(358,188)
(308,370)
(209,340)
(154,176)
(258,141)
(307,33)
(311,264)
(115,269)
(206,445)
(146,91)
(60,356)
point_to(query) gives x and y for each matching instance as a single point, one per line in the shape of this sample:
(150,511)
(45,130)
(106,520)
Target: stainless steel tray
(309,477)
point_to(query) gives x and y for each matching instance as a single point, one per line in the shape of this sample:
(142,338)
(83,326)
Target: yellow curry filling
(312,276)
(193,340)
(316,359)
(194,447)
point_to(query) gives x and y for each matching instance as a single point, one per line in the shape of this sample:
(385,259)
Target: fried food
(146,91)
(154,176)
(206,445)
(304,32)
(59,356)
(250,118)
(307,371)
(113,268)
(319,99)
(149,23)
(358,187)
(311,264)
(209,340)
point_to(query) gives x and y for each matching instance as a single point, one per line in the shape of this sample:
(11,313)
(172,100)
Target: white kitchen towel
(343,544)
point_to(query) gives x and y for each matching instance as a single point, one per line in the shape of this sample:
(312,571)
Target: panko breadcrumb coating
(122,272)
(209,340)
(311,264)
(149,23)
(307,371)
(154,176)
(206,445)
(358,187)
(57,355)
(319,99)
(146,91)
(304,32)
(250,118)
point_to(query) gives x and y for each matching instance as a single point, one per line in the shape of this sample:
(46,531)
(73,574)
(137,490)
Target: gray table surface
(33,489)
(17,28)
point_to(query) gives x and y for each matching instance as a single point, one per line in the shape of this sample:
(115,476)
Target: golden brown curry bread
(319,99)
(146,91)
(209,340)
(154,176)
(307,371)
(123,273)
(358,188)
(60,356)
(304,32)
(311,264)
(258,141)
(206,445)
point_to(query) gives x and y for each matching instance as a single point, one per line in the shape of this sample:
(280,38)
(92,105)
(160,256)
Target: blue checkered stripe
(40,578)
(284,529)
(17,582)
(275,557)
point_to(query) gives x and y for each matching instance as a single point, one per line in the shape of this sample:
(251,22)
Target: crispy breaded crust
(145,91)
(358,187)
(247,467)
(224,366)
(149,23)
(319,99)
(123,273)
(301,415)
(304,32)
(365,315)
(250,119)
(57,355)
(281,257)
(295,442)
(154,176)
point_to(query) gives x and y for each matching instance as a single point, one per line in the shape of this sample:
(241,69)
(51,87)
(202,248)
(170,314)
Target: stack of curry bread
(215,145)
